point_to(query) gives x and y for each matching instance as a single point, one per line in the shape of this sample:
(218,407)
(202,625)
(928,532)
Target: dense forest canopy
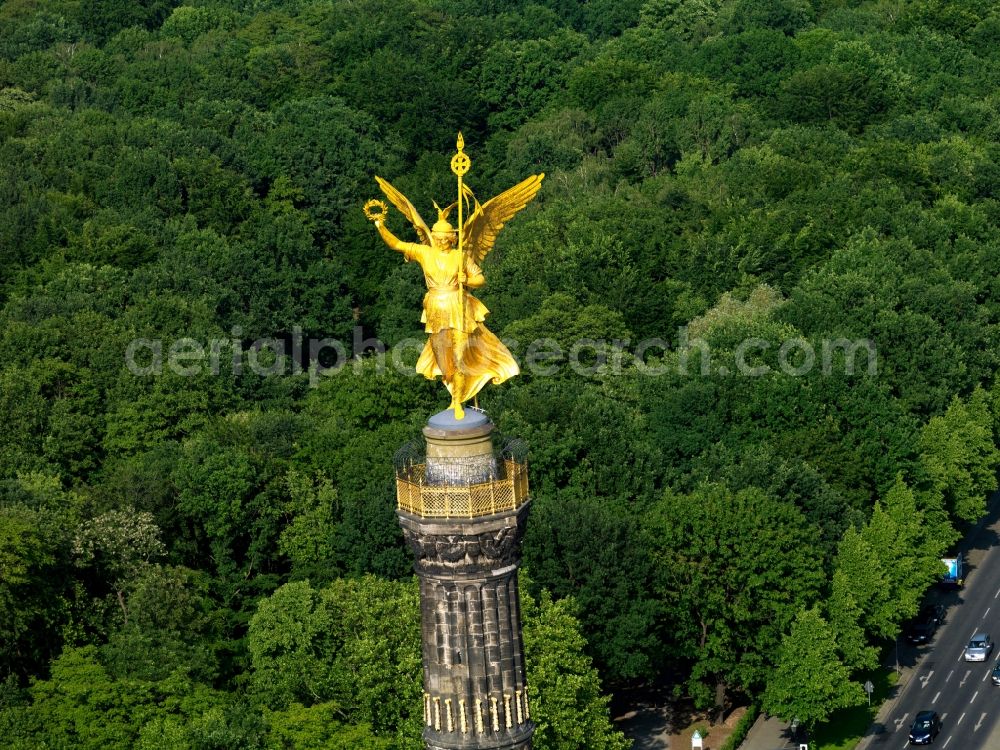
(195,556)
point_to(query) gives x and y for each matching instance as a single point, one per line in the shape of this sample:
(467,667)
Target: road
(969,703)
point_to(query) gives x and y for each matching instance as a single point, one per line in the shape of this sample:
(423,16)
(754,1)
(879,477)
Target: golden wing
(482,228)
(406,208)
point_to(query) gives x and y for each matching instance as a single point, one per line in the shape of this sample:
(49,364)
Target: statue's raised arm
(408,210)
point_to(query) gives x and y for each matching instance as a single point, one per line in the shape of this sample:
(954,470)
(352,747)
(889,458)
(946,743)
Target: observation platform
(459,472)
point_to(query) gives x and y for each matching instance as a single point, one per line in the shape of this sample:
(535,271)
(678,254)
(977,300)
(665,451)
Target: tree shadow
(977,538)
(645,716)
(981,536)
(878,732)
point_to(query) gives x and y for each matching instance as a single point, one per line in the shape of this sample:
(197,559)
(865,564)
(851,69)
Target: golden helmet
(442,225)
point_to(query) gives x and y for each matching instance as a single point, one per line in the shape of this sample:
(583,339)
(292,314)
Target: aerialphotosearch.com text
(590,357)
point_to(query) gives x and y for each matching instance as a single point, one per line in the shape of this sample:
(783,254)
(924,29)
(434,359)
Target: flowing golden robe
(474,349)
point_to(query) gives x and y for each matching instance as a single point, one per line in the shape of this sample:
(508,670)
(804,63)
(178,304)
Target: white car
(979,648)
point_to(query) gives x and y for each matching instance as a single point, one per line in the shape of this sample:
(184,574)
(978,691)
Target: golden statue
(460,348)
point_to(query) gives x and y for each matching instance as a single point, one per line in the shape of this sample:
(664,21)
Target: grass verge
(846,727)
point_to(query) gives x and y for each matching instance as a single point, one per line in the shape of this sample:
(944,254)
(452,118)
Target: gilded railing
(503,493)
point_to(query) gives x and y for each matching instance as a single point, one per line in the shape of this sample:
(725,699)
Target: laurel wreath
(376,215)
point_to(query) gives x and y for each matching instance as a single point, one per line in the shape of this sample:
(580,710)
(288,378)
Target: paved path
(768,734)
(648,726)
(644,716)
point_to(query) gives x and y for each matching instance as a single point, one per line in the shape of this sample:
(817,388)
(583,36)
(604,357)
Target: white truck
(954,574)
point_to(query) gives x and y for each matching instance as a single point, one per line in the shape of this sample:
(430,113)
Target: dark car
(925,728)
(995,675)
(924,625)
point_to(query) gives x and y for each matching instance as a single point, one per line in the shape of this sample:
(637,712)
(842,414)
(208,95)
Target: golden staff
(460,164)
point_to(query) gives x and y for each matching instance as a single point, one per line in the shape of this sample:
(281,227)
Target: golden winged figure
(459,348)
